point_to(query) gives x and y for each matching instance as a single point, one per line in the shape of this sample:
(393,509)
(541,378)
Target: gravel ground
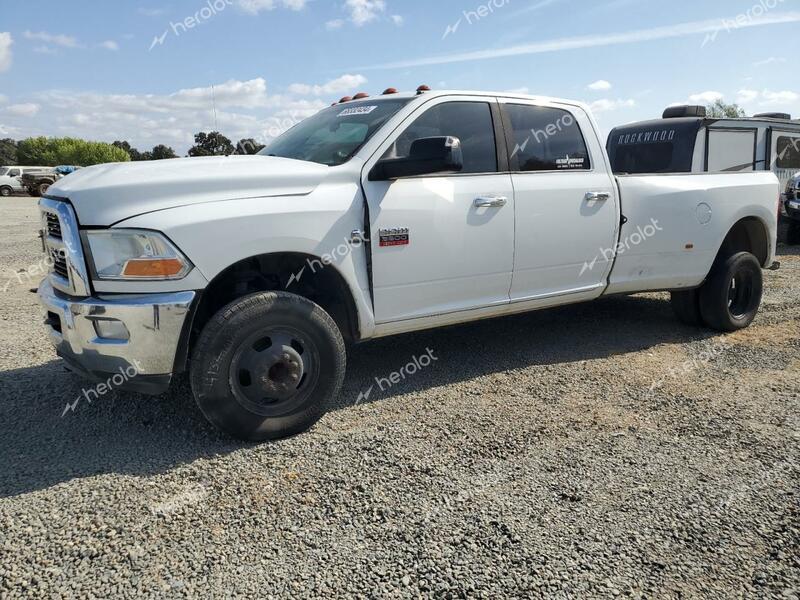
(587,451)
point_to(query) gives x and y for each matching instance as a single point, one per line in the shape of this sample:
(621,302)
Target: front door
(442,243)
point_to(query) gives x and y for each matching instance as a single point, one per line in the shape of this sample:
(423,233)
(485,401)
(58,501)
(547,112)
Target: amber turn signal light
(154,267)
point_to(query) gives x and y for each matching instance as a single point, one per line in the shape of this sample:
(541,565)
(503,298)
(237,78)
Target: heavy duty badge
(394,237)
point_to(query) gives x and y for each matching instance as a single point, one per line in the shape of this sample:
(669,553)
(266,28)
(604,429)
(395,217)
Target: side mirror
(427,156)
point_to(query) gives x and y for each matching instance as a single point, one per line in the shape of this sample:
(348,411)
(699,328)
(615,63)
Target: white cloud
(705,97)
(5,50)
(23,110)
(45,50)
(244,110)
(3,99)
(345,83)
(600,85)
(110,45)
(784,97)
(769,61)
(335,24)
(364,11)
(65,41)
(607,104)
(519,90)
(398,20)
(746,96)
(152,12)
(692,28)
(254,7)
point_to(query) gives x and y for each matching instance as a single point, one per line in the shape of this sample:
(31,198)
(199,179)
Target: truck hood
(106,194)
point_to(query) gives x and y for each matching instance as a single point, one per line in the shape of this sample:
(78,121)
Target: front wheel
(730,298)
(267,366)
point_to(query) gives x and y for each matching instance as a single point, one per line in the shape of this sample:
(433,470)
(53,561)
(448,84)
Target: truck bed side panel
(677,223)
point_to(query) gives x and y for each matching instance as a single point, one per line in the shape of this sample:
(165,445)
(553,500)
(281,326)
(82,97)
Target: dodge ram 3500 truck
(377,216)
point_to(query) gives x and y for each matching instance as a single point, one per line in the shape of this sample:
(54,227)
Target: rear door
(566,204)
(443,243)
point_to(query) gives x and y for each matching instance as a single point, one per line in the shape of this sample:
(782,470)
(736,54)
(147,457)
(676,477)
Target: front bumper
(152,325)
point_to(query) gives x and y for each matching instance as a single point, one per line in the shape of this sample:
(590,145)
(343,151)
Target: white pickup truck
(376,216)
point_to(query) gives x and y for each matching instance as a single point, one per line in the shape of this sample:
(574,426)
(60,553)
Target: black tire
(6,191)
(42,188)
(731,296)
(686,306)
(793,233)
(267,366)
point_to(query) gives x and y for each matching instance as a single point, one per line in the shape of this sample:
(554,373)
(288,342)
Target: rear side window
(470,122)
(546,139)
(14,173)
(788,152)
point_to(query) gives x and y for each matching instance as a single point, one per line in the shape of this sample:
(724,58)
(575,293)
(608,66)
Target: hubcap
(273,369)
(740,294)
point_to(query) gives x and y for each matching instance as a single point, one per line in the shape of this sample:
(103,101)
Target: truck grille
(53,226)
(59,263)
(63,248)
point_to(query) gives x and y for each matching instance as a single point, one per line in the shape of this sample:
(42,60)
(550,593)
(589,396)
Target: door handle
(596,197)
(490,201)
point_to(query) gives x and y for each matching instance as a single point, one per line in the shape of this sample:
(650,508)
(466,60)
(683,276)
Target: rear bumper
(146,333)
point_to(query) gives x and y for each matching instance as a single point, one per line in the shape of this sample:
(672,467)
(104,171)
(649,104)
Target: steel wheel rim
(274,370)
(740,294)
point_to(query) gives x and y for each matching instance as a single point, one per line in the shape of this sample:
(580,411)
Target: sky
(153,72)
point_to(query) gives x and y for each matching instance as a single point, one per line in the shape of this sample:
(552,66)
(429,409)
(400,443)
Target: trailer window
(789,152)
(645,158)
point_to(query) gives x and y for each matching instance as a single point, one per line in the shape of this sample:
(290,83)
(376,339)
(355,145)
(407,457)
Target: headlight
(135,254)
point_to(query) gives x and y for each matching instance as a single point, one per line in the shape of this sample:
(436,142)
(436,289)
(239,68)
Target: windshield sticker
(357,110)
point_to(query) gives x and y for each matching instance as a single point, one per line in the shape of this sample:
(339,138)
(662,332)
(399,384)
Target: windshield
(334,135)
(3,171)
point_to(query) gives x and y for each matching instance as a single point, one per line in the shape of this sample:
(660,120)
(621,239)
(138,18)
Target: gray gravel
(587,451)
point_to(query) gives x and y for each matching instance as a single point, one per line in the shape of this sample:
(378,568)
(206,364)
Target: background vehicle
(790,209)
(686,141)
(11,178)
(371,218)
(38,182)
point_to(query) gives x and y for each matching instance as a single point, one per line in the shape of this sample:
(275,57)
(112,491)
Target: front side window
(335,134)
(788,152)
(470,122)
(546,139)
(3,171)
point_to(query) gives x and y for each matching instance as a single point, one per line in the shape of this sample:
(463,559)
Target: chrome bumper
(152,324)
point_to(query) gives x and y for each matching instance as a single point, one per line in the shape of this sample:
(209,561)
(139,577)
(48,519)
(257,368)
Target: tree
(68,151)
(211,144)
(248,146)
(720,110)
(132,152)
(8,152)
(161,152)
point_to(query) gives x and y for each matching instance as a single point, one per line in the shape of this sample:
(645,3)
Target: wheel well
(296,273)
(748,235)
